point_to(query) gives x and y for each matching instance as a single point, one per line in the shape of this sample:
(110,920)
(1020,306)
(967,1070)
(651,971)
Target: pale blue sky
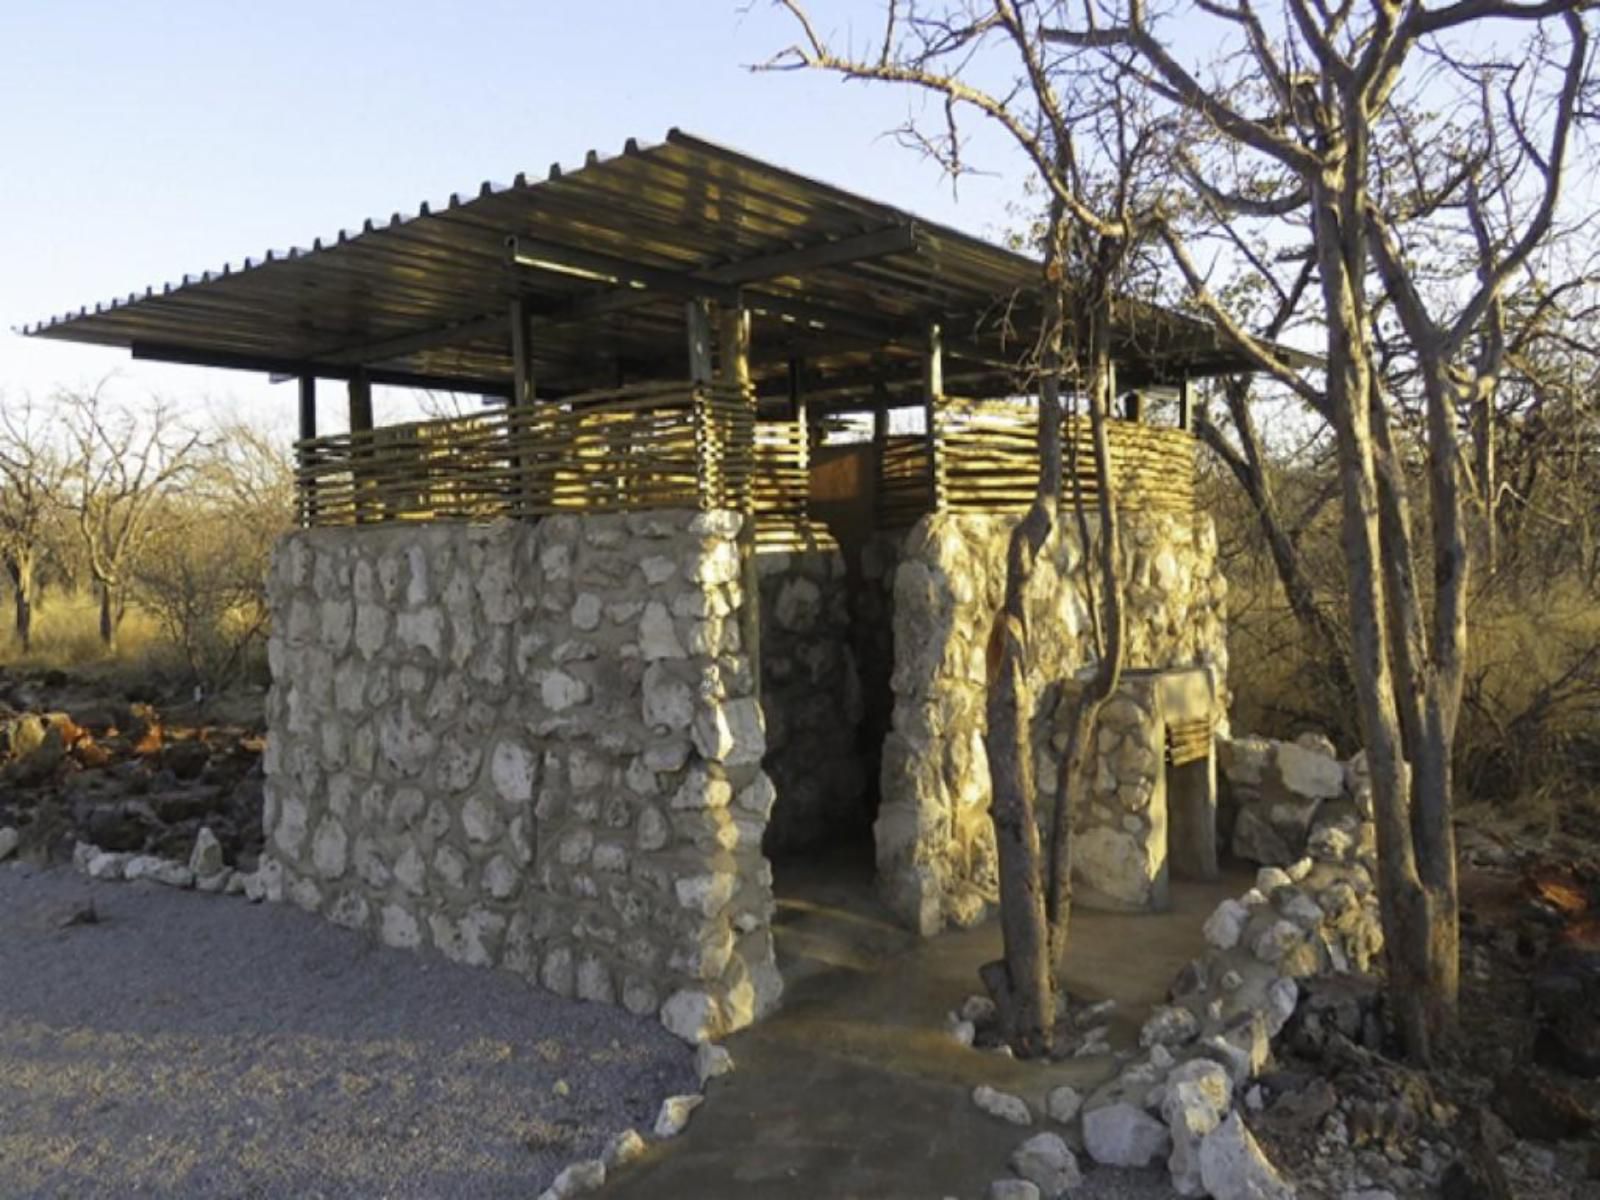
(145,139)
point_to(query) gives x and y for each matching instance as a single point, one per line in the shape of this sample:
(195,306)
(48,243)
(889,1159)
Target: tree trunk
(20,568)
(1072,784)
(1021,984)
(108,618)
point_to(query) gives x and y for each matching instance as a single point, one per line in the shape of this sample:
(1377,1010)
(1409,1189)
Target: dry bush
(203,577)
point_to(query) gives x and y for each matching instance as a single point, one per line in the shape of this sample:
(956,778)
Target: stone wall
(811,696)
(1127,837)
(935,840)
(532,746)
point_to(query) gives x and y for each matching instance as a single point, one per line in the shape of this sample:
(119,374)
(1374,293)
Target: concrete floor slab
(854,1089)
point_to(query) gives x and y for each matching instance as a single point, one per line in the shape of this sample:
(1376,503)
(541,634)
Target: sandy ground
(188,1045)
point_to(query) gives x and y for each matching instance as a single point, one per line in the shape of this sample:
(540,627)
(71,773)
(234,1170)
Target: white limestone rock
(220,882)
(560,692)
(1046,1161)
(158,870)
(1013,1189)
(205,860)
(1232,1166)
(712,1061)
(1310,772)
(579,1179)
(514,770)
(1276,940)
(673,1118)
(623,1149)
(658,637)
(8,842)
(1002,1104)
(691,1015)
(1225,926)
(1063,1104)
(1116,865)
(106,864)
(1169,1025)
(668,698)
(1124,1135)
(977,1009)
(1194,1101)
(732,732)
(330,848)
(1283,994)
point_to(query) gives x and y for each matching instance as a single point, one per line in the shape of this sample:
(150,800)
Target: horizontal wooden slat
(646,446)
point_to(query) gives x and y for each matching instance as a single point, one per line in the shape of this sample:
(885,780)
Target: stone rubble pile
(77,765)
(1311,922)
(1277,795)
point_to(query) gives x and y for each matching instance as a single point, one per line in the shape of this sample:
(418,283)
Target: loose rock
(1002,1104)
(674,1115)
(1123,1135)
(1232,1166)
(1046,1161)
(1063,1104)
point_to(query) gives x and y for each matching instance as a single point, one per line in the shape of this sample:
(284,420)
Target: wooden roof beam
(300,367)
(718,282)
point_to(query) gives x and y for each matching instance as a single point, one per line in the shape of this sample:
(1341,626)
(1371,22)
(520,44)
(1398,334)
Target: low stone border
(588,1175)
(1179,1100)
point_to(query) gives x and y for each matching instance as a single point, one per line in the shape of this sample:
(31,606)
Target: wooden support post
(360,403)
(697,326)
(699,323)
(360,448)
(308,431)
(733,354)
(932,401)
(800,411)
(1185,404)
(522,382)
(522,398)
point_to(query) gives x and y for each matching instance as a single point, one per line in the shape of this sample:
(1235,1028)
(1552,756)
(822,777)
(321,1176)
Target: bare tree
(31,475)
(203,574)
(1291,127)
(121,468)
(1089,142)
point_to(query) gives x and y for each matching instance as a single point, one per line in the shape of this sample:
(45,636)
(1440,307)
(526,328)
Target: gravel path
(189,1045)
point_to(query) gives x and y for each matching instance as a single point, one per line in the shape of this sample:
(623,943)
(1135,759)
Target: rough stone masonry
(529,745)
(934,836)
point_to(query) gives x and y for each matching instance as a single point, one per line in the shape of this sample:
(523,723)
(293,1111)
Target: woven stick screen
(984,458)
(624,450)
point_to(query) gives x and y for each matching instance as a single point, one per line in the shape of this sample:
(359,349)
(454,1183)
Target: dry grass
(1529,731)
(66,635)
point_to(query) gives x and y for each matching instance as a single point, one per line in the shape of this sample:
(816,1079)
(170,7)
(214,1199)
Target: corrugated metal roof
(844,283)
